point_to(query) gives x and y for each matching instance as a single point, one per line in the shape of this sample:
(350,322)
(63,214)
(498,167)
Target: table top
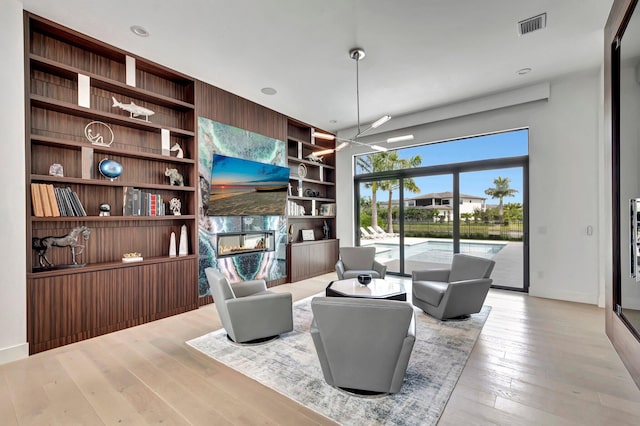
(378,288)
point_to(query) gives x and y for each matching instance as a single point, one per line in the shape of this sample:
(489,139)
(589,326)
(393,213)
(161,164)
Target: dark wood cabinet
(311,258)
(71,81)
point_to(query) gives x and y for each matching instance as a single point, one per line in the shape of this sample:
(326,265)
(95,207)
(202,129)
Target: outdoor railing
(507,231)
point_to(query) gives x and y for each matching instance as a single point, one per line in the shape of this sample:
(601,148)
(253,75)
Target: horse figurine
(175,178)
(42,245)
(176,147)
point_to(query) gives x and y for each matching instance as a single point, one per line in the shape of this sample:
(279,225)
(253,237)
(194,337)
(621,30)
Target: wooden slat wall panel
(219,105)
(67,309)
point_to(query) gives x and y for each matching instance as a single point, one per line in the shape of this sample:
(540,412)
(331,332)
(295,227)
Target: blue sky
(239,172)
(499,145)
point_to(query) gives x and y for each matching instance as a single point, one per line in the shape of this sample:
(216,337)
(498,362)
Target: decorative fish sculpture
(133,109)
(315,158)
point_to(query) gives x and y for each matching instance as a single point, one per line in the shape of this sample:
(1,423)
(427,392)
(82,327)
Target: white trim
(14,353)
(509,98)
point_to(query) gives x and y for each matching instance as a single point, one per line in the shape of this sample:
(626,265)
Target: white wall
(565,166)
(12,175)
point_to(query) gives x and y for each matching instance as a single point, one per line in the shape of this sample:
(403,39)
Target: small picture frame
(307,235)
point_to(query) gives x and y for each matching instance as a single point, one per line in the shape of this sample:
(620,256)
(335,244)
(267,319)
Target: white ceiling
(420,53)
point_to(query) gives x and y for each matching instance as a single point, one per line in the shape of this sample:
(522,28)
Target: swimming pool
(437,251)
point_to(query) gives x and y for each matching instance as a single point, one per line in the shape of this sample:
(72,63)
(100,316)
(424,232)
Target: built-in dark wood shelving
(312,163)
(92,114)
(50,141)
(70,304)
(112,218)
(306,259)
(109,265)
(105,182)
(62,70)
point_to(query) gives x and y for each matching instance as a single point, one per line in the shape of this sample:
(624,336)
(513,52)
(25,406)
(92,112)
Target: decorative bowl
(364,279)
(110,168)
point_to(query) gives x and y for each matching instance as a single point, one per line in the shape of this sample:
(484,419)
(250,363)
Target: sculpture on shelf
(172,245)
(177,148)
(326,231)
(315,158)
(105,209)
(110,169)
(134,110)
(183,248)
(72,240)
(56,170)
(175,178)
(291,233)
(175,206)
(93,133)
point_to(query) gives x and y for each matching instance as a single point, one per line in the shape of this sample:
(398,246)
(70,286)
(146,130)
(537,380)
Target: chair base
(254,342)
(362,393)
(460,317)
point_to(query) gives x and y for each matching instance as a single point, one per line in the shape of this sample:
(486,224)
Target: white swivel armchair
(455,292)
(248,311)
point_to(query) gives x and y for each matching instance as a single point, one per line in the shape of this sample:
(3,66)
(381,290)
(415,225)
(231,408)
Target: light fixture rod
(357,58)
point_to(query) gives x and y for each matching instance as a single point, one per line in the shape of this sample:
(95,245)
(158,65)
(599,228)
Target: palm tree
(395,163)
(370,164)
(500,191)
(383,161)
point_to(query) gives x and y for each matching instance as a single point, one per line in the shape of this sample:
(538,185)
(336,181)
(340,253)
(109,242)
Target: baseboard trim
(568,296)
(14,353)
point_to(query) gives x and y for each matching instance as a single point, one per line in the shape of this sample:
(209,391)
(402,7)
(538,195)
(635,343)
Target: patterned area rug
(290,366)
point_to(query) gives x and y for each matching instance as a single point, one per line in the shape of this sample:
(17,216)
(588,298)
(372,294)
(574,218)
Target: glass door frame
(455,170)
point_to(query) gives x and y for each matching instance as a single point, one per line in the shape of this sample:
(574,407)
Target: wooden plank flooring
(537,362)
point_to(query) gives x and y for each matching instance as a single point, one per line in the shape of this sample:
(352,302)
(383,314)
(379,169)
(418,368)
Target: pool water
(437,251)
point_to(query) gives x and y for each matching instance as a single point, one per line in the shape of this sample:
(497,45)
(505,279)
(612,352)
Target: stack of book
(139,203)
(48,201)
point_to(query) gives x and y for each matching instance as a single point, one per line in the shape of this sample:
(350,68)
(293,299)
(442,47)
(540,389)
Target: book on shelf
(36,201)
(44,196)
(49,201)
(51,196)
(136,202)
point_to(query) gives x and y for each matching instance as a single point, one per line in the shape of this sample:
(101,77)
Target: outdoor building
(443,202)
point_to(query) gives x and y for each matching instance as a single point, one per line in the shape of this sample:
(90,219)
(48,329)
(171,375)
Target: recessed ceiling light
(268,90)
(523,71)
(139,31)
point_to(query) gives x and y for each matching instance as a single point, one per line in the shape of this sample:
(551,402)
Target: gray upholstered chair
(455,292)
(363,345)
(359,260)
(247,310)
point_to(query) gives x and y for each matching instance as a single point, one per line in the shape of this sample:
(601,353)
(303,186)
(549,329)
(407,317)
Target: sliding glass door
(428,222)
(492,221)
(419,205)
(378,224)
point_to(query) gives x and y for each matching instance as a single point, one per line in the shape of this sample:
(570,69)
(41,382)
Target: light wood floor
(537,361)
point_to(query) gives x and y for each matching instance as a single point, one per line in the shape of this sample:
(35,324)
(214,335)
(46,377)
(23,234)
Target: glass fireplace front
(233,244)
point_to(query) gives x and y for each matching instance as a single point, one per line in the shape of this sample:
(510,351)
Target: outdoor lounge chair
(366,234)
(382,231)
(377,234)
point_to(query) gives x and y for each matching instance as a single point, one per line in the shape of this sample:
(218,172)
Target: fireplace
(235,243)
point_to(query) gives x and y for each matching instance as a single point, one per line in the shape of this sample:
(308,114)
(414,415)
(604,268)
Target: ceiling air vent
(532,24)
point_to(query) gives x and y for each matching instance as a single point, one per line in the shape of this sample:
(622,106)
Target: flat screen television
(241,187)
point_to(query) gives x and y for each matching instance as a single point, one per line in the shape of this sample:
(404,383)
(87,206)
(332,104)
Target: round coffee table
(377,289)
